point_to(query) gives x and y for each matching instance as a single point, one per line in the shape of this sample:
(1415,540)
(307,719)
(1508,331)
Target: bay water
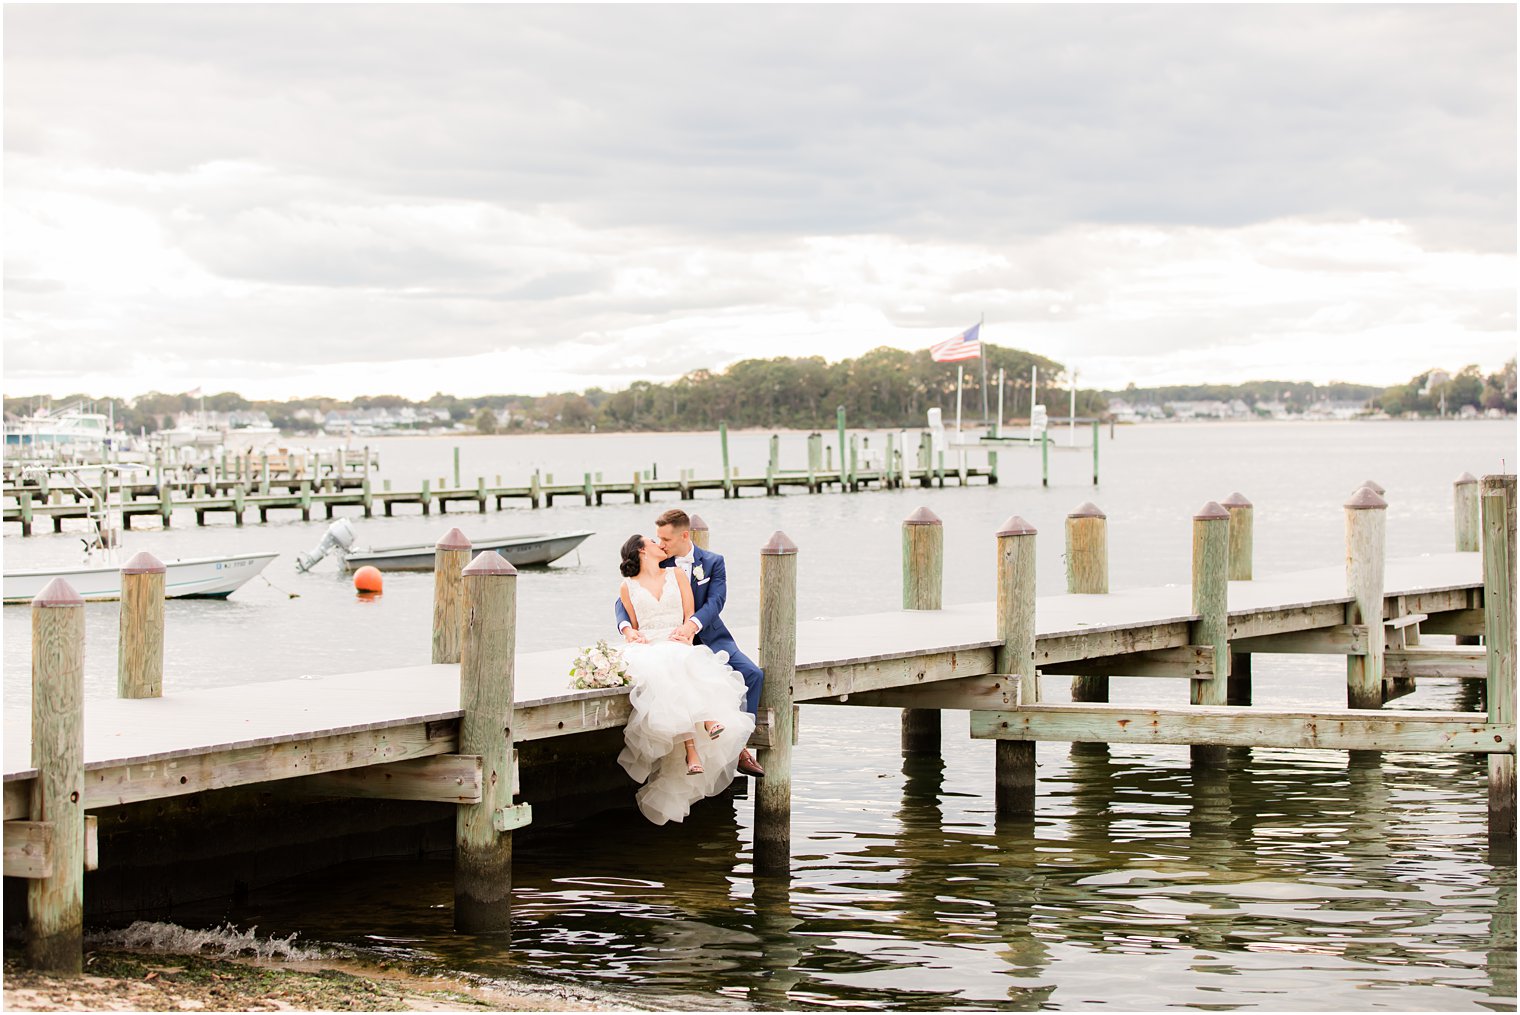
(1299,880)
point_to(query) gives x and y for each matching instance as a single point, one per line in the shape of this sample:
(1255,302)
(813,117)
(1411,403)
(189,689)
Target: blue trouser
(753,675)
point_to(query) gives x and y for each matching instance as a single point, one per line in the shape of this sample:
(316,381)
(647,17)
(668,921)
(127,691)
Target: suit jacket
(708,594)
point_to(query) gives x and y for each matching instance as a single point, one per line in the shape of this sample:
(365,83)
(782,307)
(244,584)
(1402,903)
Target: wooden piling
(450,556)
(699,532)
(55,904)
(483,831)
(1242,550)
(728,479)
(1366,531)
(1014,763)
(1498,515)
(140,655)
(1045,457)
(1087,574)
(1466,511)
(778,658)
(1211,592)
(923,563)
(839,419)
(1095,449)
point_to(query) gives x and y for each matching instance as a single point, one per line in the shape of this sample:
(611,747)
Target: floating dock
(447,732)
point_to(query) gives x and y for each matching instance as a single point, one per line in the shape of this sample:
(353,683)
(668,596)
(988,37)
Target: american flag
(966,345)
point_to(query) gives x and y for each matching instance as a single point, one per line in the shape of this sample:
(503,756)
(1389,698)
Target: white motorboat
(532,550)
(200,577)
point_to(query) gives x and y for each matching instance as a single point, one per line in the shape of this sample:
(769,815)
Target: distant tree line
(1430,393)
(884,388)
(1295,395)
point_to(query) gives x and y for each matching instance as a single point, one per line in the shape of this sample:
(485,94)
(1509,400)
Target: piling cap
(779,545)
(488,562)
(1016,526)
(1464,479)
(923,516)
(143,563)
(453,540)
(1088,510)
(1236,500)
(1365,499)
(1210,512)
(1374,486)
(697,524)
(57,593)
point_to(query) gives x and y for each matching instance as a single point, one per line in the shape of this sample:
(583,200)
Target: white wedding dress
(675,688)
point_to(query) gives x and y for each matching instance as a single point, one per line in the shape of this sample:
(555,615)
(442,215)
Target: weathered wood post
(456,467)
(1498,506)
(55,904)
(1211,593)
(854,462)
(1095,449)
(1366,532)
(450,556)
(1045,457)
(166,502)
(843,453)
(1087,574)
(1242,549)
(923,568)
(728,478)
(1013,776)
(1467,514)
(140,655)
(26,512)
(483,831)
(778,658)
(699,532)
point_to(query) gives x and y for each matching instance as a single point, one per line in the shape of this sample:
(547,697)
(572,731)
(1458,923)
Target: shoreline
(120,979)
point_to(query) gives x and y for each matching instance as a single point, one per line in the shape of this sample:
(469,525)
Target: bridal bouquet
(601,665)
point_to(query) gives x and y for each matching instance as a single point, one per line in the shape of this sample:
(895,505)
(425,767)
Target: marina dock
(447,732)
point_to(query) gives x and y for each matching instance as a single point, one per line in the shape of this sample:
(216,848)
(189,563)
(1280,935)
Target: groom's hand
(685,633)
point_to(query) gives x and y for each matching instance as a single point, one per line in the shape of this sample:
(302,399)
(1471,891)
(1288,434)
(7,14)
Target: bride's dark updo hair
(631,565)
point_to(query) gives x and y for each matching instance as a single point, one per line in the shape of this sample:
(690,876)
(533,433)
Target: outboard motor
(337,540)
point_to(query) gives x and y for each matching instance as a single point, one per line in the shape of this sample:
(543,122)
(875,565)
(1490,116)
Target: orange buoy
(368,581)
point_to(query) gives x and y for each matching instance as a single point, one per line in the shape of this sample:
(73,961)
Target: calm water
(1298,881)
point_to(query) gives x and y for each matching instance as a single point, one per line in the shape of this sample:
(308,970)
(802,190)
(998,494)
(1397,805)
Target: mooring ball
(367,579)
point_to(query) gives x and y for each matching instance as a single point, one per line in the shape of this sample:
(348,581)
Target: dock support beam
(1087,574)
(728,479)
(482,838)
(923,559)
(1211,592)
(450,556)
(1366,531)
(55,904)
(1242,549)
(699,532)
(778,658)
(1498,514)
(1466,513)
(1014,783)
(140,654)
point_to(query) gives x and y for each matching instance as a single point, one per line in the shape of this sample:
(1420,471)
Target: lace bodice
(656,615)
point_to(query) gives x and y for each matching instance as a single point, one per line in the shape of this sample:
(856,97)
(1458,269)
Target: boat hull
(521,551)
(200,577)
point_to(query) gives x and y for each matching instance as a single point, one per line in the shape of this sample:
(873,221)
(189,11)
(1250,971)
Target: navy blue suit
(708,594)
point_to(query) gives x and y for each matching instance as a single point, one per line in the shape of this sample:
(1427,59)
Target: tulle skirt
(676,687)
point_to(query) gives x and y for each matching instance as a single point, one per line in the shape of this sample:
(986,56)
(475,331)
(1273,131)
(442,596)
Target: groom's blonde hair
(675,518)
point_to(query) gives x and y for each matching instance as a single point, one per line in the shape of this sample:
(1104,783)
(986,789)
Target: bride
(688,724)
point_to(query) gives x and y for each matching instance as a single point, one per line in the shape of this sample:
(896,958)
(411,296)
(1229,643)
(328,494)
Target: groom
(709,590)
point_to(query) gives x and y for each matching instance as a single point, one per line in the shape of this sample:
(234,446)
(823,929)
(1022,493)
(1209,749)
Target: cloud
(263,191)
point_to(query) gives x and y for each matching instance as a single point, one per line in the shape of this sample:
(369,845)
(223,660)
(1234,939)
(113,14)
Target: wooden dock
(447,731)
(27,507)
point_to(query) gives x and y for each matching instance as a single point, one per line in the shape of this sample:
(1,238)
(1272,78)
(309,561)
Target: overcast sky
(293,200)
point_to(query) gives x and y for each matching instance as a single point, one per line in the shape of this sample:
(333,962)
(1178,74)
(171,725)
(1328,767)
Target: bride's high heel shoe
(714,729)
(695,768)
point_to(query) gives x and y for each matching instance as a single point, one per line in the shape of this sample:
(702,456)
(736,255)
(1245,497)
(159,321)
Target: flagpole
(960,371)
(983,358)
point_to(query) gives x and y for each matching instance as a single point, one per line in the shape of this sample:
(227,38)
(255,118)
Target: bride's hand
(634,636)
(684,634)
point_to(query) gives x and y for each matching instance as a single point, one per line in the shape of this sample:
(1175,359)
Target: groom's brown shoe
(749,766)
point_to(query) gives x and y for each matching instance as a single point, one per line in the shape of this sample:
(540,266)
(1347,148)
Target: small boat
(201,577)
(532,550)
